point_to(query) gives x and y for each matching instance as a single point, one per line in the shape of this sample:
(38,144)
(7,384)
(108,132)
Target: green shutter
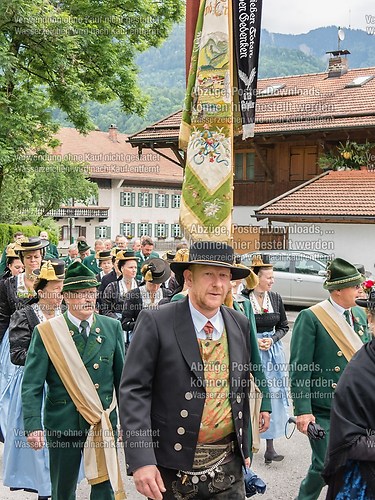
(167,201)
(132,203)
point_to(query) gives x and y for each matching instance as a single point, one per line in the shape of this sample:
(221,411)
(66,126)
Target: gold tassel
(229,299)
(47,272)
(147,273)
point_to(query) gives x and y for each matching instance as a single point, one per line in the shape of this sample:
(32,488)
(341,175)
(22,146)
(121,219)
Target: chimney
(112,131)
(338,63)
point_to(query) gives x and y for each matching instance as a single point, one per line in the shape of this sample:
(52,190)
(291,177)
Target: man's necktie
(347,316)
(84,325)
(208,330)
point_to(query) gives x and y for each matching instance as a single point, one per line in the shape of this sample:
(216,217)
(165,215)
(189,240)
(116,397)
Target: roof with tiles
(304,103)
(334,194)
(109,155)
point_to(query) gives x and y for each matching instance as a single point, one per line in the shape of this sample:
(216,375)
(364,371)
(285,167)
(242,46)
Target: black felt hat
(26,244)
(211,253)
(51,270)
(156,270)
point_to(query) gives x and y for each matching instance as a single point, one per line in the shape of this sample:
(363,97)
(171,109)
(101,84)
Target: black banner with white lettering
(246,31)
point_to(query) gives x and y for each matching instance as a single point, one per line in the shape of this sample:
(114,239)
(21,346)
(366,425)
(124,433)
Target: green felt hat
(82,246)
(78,277)
(342,274)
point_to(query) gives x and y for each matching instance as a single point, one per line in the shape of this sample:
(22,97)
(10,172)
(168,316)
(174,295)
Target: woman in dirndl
(15,292)
(25,468)
(272,326)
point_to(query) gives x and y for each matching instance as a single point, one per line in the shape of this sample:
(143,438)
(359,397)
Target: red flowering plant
(264,310)
(367,286)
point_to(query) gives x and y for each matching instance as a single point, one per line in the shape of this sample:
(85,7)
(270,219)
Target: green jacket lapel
(94,342)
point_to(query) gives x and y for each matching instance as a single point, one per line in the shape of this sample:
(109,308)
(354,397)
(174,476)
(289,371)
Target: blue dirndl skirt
(275,370)
(23,467)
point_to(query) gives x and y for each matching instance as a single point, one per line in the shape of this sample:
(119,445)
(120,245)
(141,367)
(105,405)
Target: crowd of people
(186,349)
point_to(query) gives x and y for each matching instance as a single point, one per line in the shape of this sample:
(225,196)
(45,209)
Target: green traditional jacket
(90,262)
(51,252)
(103,357)
(141,261)
(3,261)
(316,362)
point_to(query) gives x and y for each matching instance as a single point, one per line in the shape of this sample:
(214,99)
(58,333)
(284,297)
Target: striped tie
(208,330)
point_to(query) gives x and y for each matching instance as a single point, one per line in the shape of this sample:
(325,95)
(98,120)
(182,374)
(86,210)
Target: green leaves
(65,54)
(348,156)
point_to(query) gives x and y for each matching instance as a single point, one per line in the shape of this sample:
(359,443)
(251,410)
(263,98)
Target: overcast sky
(301,16)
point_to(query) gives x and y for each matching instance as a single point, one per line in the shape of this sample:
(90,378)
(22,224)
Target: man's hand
(303,421)
(247,462)
(264,421)
(36,440)
(148,482)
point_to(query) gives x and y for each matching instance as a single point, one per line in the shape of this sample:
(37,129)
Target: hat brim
(344,283)
(79,283)
(365,303)
(40,246)
(162,278)
(237,273)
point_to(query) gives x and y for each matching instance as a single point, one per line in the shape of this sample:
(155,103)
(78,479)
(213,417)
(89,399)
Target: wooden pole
(192,9)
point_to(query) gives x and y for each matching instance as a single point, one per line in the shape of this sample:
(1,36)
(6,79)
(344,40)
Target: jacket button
(334,385)
(240,414)
(178,447)
(337,369)
(184,413)
(188,396)
(238,398)
(95,366)
(96,386)
(181,431)
(240,432)
(339,353)
(71,332)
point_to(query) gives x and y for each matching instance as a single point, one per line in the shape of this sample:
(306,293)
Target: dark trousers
(205,490)
(313,483)
(65,455)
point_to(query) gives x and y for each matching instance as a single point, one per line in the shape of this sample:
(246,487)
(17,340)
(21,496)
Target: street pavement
(282,478)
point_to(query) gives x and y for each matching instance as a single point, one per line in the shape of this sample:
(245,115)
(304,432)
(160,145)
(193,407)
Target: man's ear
(188,277)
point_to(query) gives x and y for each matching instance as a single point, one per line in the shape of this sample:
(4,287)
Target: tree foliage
(66,54)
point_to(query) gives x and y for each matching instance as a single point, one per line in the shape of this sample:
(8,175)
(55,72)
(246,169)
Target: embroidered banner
(247,22)
(206,132)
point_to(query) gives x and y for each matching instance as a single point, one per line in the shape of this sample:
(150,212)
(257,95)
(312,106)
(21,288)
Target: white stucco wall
(120,214)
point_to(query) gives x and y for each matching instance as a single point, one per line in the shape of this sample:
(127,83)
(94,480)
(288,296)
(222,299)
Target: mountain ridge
(162,69)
